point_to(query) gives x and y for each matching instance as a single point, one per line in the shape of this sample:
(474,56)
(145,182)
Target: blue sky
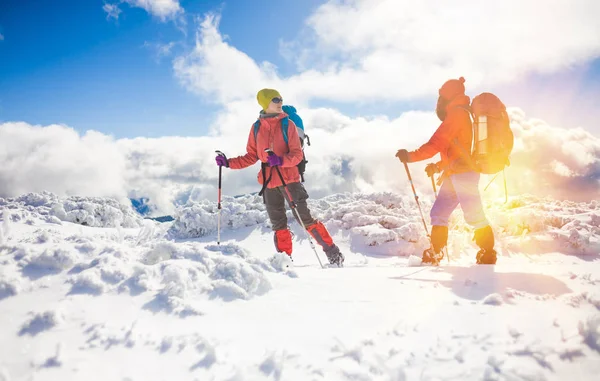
(66,62)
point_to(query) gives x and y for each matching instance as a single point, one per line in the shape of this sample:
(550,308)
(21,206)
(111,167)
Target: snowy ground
(122,298)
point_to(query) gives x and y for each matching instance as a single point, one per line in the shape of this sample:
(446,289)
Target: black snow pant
(276,199)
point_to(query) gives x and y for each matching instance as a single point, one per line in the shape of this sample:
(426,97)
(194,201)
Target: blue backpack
(293,115)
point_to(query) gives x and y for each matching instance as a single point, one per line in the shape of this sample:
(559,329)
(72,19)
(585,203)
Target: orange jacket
(456,128)
(270,136)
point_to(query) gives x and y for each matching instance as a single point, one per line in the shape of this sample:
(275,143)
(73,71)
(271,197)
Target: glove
(402,154)
(431,168)
(274,160)
(222,161)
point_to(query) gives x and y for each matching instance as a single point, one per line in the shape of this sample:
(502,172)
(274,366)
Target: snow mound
(54,259)
(238,280)
(590,331)
(180,277)
(387,209)
(96,212)
(198,219)
(281,261)
(373,219)
(9,285)
(229,249)
(40,322)
(87,282)
(414,261)
(56,360)
(493,300)
(179,283)
(88,211)
(573,226)
(190,266)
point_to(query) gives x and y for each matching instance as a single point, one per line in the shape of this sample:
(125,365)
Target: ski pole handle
(271,153)
(221,154)
(220,176)
(287,191)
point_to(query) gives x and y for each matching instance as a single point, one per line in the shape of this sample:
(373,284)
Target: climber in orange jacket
(460,180)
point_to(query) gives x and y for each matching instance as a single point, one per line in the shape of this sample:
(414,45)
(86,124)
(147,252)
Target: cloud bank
(346,155)
(373,50)
(59,159)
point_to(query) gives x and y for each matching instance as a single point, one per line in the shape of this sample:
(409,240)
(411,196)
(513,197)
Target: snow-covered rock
(88,211)
(195,220)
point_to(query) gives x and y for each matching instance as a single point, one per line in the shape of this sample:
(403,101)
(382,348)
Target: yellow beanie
(265,96)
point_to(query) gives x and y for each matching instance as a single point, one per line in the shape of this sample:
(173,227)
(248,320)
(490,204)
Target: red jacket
(455,131)
(270,136)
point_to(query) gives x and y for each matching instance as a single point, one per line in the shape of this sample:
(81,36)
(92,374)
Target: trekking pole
(417,199)
(219,200)
(419,204)
(505,188)
(491,181)
(293,207)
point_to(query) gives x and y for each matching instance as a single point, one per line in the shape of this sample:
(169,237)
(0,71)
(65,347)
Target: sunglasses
(277,100)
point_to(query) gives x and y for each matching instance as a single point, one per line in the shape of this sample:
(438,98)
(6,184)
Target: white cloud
(161,50)
(165,49)
(112,11)
(559,162)
(397,49)
(397,45)
(1,37)
(219,71)
(163,9)
(57,158)
(347,154)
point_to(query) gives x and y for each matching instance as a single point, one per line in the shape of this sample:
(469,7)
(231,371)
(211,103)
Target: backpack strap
(285,123)
(263,168)
(256,126)
(284,129)
(468,109)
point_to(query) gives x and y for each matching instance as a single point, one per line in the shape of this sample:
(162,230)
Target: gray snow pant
(276,199)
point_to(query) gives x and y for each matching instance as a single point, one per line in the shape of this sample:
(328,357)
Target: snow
(590,331)
(40,322)
(88,211)
(493,300)
(99,285)
(414,260)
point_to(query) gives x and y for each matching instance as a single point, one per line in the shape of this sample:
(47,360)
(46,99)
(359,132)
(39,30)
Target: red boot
(283,241)
(321,235)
